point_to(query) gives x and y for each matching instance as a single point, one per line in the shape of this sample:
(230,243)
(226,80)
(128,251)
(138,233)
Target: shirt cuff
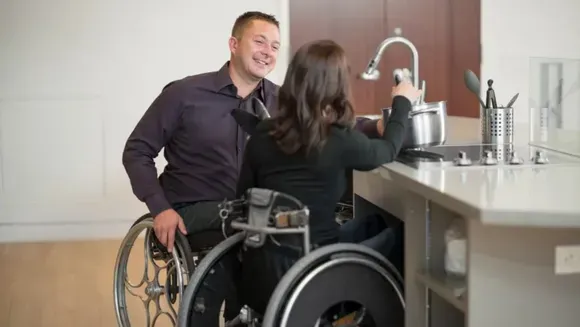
(156,204)
(368,127)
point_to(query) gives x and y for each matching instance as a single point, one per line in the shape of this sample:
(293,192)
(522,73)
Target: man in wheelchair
(301,156)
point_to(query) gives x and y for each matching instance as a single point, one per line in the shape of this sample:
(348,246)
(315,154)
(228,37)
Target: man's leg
(221,284)
(201,216)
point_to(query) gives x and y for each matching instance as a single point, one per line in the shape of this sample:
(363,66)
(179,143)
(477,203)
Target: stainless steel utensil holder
(497,125)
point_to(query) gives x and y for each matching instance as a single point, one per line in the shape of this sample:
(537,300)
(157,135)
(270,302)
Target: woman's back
(318,178)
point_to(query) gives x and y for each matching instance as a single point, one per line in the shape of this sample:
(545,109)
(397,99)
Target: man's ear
(233,44)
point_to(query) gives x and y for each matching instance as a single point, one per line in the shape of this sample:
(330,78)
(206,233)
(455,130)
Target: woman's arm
(372,128)
(362,153)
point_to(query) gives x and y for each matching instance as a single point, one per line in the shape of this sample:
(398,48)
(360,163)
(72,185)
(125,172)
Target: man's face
(257,50)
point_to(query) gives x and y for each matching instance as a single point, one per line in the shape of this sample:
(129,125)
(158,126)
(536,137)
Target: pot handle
(424,111)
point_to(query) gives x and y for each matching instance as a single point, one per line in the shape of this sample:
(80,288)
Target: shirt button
(239,149)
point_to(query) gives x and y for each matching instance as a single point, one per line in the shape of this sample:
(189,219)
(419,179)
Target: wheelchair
(331,285)
(159,293)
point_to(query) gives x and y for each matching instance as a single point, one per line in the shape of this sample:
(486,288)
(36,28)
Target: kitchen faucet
(372,73)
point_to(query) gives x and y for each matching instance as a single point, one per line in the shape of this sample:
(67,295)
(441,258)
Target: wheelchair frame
(255,228)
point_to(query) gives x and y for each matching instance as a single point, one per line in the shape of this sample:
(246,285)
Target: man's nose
(268,51)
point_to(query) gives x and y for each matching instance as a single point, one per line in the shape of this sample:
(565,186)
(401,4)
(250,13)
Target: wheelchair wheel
(336,274)
(191,303)
(155,293)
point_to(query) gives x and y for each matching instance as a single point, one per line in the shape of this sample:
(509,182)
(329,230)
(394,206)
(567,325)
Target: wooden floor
(65,284)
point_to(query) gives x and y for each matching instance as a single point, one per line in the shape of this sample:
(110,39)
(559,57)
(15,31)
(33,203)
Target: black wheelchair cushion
(204,240)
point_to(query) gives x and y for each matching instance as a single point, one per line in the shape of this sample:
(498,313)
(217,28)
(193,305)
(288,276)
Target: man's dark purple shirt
(204,145)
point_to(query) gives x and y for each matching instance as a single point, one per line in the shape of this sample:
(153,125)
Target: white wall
(514,31)
(75,76)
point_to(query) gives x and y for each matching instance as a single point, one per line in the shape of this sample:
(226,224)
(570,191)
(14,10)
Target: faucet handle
(423,88)
(401,75)
(398,75)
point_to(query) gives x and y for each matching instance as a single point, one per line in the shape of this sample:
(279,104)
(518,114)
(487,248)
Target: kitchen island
(518,221)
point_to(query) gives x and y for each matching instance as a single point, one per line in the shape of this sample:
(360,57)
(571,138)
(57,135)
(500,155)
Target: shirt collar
(224,80)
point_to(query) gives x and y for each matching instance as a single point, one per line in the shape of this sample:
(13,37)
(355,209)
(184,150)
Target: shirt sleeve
(247,178)
(362,153)
(151,134)
(368,127)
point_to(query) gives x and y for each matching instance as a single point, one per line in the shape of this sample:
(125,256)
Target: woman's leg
(383,242)
(353,231)
(357,230)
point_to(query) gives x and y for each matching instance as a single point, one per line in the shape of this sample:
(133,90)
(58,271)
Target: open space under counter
(512,228)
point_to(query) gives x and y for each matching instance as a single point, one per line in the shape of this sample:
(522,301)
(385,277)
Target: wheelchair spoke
(169,292)
(159,311)
(155,288)
(147,303)
(128,287)
(149,255)
(159,314)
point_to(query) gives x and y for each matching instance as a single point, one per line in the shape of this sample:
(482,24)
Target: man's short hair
(246,18)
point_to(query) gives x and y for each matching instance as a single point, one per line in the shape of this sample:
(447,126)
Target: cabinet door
(445,32)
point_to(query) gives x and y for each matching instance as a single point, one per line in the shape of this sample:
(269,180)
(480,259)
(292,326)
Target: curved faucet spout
(371,72)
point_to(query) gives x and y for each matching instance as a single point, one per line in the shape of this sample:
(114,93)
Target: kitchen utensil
(247,121)
(260,109)
(472,83)
(513,100)
(497,125)
(427,125)
(490,100)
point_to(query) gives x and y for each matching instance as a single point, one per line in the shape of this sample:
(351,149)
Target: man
(203,144)
(192,120)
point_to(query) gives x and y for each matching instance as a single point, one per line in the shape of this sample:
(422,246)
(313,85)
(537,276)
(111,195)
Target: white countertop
(547,195)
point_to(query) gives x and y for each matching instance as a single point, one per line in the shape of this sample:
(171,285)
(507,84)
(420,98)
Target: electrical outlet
(567,259)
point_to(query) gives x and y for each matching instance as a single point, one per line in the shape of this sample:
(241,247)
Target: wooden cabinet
(445,32)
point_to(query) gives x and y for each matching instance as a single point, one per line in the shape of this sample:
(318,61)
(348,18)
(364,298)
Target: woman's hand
(406,89)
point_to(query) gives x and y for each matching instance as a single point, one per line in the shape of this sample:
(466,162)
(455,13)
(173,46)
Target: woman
(305,150)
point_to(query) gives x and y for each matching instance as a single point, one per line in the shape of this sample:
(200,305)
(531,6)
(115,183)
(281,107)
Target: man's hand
(165,225)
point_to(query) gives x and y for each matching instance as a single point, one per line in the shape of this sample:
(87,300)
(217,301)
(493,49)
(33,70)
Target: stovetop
(483,155)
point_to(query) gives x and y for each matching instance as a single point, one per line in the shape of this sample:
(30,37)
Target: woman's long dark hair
(315,95)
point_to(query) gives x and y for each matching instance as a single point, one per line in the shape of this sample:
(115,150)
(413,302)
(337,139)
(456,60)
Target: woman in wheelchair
(305,151)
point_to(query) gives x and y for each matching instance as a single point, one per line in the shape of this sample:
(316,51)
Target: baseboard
(64,232)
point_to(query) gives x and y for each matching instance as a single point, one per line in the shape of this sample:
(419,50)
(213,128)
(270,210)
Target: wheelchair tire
(295,281)
(203,269)
(180,260)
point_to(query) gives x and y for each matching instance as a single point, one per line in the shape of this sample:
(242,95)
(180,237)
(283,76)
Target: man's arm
(150,135)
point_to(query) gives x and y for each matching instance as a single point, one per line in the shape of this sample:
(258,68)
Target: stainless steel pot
(427,125)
